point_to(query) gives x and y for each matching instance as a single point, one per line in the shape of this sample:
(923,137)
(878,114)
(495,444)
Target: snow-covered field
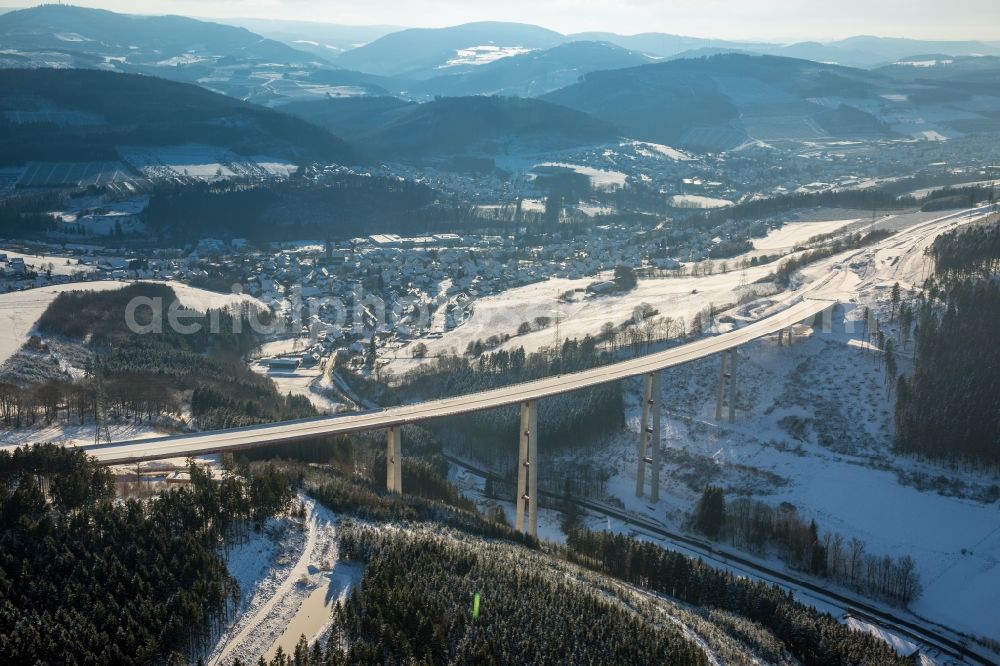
(900,645)
(698,201)
(203,299)
(649,149)
(483,55)
(674,297)
(201,161)
(681,297)
(923,192)
(301,381)
(40,262)
(20,310)
(601,179)
(73,434)
(796,233)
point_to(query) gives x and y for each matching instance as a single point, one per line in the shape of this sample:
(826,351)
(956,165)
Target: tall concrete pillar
(722,386)
(654,440)
(533,468)
(394,461)
(643,451)
(732,385)
(781,338)
(526,499)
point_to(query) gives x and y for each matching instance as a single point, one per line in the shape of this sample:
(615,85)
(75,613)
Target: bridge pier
(724,377)
(721,396)
(732,385)
(394,461)
(781,338)
(526,499)
(649,439)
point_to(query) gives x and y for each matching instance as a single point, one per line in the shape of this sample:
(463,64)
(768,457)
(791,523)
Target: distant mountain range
(326,40)
(72,115)
(713,103)
(395,129)
(422,53)
(723,101)
(542,89)
(531,74)
(273,62)
(425,52)
(227,59)
(139,40)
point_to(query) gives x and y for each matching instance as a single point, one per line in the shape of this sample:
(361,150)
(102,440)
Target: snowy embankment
(289,579)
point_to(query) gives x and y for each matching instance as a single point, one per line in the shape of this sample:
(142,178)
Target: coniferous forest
(415,602)
(950,406)
(145,582)
(88,580)
(811,637)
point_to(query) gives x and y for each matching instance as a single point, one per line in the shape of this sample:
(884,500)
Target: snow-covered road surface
(278,597)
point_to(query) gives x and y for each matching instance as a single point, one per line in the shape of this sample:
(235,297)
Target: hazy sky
(771,20)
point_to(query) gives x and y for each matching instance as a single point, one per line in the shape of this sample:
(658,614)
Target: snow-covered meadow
(20,310)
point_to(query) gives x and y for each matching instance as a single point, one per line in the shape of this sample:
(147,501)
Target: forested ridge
(812,637)
(143,582)
(950,406)
(135,110)
(525,617)
(340,206)
(88,580)
(415,600)
(144,376)
(417,604)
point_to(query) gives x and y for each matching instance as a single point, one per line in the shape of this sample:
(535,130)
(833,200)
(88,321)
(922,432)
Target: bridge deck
(290,431)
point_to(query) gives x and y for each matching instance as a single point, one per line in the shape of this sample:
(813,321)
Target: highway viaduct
(526,395)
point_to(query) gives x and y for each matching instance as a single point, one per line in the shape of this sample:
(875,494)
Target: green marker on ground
(475,606)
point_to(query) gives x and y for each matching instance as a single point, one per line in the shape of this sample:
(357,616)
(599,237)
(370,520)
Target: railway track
(850,605)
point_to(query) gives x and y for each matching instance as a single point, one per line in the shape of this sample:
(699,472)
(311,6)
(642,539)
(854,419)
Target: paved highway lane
(291,431)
